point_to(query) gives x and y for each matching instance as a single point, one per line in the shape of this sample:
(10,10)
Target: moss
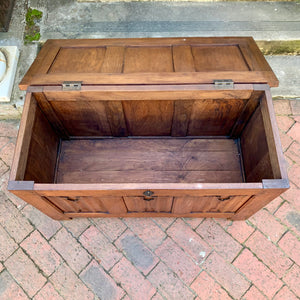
(32,16)
(30,38)
(32,31)
(279,47)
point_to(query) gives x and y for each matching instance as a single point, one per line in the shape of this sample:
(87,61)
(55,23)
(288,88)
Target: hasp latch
(71,85)
(224,84)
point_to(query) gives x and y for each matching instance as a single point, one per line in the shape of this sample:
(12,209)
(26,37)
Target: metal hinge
(71,85)
(224,84)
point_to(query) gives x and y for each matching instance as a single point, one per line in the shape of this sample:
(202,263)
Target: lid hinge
(71,85)
(224,84)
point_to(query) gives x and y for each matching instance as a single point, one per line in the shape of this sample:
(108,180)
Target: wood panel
(148,60)
(42,156)
(214,117)
(217,203)
(149,176)
(181,117)
(113,60)
(246,114)
(148,160)
(149,215)
(52,117)
(78,60)
(183,59)
(116,119)
(272,136)
(256,157)
(148,118)
(83,118)
(24,137)
(219,58)
(147,92)
(112,205)
(41,203)
(257,202)
(159,204)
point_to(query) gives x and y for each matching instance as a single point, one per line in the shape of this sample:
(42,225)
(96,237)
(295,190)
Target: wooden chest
(149,127)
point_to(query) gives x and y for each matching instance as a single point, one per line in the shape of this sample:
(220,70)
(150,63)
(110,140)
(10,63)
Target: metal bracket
(224,84)
(71,85)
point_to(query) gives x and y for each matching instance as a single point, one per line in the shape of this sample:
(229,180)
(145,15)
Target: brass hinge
(224,84)
(71,85)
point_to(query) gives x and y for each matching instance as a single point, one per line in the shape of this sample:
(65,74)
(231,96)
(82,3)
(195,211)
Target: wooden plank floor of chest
(149,127)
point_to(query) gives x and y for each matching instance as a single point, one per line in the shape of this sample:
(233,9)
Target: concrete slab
(286,69)
(262,20)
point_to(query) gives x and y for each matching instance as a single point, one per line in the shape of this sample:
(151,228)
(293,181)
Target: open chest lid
(149,61)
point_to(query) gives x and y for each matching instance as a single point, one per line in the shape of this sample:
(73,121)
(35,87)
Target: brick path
(153,258)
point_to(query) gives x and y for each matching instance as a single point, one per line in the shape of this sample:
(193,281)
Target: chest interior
(153,134)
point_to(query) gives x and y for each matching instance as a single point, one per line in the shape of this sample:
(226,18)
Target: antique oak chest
(149,127)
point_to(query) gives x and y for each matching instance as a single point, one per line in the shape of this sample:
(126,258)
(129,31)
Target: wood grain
(158,204)
(78,60)
(209,204)
(83,118)
(112,205)
(42,155)
(146,61)
(148,118)
(113,60)
(256,157)
(24,137)
(148,160)
(214,117)
(116,119)
(183,59)
(218,58)
(47,109)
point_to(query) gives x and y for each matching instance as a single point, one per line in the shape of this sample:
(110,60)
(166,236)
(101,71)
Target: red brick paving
(10,289)
(153,258)
(292,279)
(178,261)
(240,230)
(189,241)
(8,245)
(269,253)
(291,246)
(268,224)
(207,288)
(21,267)
(285,294)
(218,238)
(48,292)
(132,281)
(137,252)
(258,273)
(112,228)
(100,282)
(41,252)
(100,247)
(226,275)
(289,217)
(168,284)
(69,286)
(71,250)
(254,294)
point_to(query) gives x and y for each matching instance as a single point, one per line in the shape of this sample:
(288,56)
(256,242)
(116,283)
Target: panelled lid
(149,61)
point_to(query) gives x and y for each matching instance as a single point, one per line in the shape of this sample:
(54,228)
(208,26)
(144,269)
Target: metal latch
(224,84)
(71,85)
